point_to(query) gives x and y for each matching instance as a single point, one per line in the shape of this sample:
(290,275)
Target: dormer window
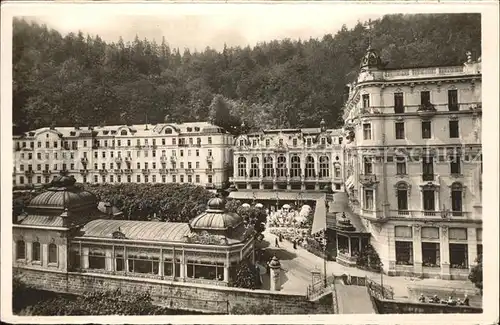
(280,142)
(294,141)
(123,132)
(323,141)
(242,142)
(268,142)
(197,129)
(168,131)
(309,142)
(190,129)
(72,133)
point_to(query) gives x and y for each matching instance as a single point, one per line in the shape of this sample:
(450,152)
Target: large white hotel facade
(198,153)
(410,161)
(413,165)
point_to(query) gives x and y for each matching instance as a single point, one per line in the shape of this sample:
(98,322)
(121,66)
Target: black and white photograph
(212,160)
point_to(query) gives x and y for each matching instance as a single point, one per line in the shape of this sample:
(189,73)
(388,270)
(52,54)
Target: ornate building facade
(63,231)
(198,153)
(287,164)
(413,165)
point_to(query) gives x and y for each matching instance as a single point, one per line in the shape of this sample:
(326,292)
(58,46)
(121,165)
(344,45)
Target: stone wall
(409,307)
(175,295)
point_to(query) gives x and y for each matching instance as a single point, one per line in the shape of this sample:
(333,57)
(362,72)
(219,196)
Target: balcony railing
(209,171)
(84,171)
(172,170)
(118,160)
(145,171)
(163,159)
(428,214)
(189,170)
(84,160)
(163,171)
(423,72)
(103,171)
(210,158)
(127,171)
(428,177)
(118,171)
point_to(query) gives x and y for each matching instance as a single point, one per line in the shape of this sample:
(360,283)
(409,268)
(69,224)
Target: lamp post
(324,242)
(382,278)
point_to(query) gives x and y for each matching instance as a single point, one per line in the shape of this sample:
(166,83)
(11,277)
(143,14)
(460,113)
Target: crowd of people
(450,301)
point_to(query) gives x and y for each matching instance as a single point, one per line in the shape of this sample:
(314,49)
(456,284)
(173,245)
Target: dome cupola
(216,219)
(371,60)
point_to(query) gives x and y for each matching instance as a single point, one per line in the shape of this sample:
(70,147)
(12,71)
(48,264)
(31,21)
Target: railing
(428,213)
(378,291)
(367,178)
(424,72)
(428,177)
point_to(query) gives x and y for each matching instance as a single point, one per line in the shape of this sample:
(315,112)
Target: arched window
(402,192)
(242,166)
(281,166)
(254,167)
(268,167)
(456,198)
(168,131)
(429,199)
(295,166)
(310,167)
(324,170)
(36,253)
(20,250)
(123,132)
(52,253)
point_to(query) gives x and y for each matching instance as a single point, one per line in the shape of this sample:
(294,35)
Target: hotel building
(198,153)
(287,165)
(413,165)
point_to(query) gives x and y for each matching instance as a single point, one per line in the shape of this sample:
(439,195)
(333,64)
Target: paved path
(298,264)
(353,300)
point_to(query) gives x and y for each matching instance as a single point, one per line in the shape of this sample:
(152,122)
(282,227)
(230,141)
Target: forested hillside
(78,79)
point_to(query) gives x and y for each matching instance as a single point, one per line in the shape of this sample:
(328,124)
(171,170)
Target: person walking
(276,244)
(295,244)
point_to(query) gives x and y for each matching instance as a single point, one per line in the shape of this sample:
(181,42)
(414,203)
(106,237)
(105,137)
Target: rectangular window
(404,252)
(181,178)
(210,179)
(402,200)
(400,165)
(47,144)
(369,199)
(368,166)
(452,100)
(138,178)
(39,179)
(366,100)
(129,179)
(97,260)
(426,130)
(96,179)
(458,256)
(209,140)
(425,97)
(111,178)
(163,178)
(429,200)
(181,153)
(84,143)
(455,165)
(197,178)
(182,164)
(400,130)
(454,130)
(154,178)
(174,178)
(428,168)
(190,178)
(210,152)
(367,131)
(430,254)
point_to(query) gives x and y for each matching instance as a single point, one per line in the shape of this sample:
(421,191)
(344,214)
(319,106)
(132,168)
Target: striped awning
(319,221)
(276,195)
(349,183)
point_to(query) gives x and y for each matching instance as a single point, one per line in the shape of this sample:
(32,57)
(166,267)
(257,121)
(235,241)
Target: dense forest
(79,79)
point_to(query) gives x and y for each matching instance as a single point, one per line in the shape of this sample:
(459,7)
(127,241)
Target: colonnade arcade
(190,264)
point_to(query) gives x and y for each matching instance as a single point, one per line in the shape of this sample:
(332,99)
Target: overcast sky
(197,30)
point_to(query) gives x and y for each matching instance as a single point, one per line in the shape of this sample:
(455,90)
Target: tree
(476,273)
(245,276)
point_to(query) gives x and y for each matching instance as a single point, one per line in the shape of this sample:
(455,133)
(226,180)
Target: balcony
(163,171)
(118,160)
(172,170)
(209,171)
(428,177)
(29,173)
(84,160)
(426,110)
(84,171)
(118,171)
(128,159)
(189,171)
(103,171)
(210,158)
(127,171)
(182,145)
(173,158)
(146,171)
(163,159)
(367,179)
(428,214)
(46,172)
(138,146)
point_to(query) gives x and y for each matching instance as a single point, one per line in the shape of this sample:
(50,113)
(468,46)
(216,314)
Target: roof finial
(369,34)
